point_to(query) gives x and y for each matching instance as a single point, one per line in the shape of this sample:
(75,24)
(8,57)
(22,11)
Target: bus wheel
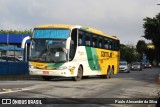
(109,73)
(79,74)
(47,78)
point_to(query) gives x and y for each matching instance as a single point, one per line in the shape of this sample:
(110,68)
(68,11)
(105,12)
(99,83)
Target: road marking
(5,91)
(17,90)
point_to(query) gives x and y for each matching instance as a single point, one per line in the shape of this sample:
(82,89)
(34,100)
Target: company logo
(106,54)
(21,101)
(6,101)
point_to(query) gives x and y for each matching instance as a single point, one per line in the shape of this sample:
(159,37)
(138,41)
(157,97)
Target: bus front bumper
(60,73)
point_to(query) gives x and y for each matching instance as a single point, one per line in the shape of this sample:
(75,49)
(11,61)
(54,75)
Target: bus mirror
(68,43)
(24,41)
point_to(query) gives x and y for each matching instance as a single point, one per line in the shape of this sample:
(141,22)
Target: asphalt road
(137,84)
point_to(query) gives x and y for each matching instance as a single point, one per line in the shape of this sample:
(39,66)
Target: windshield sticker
(57,54)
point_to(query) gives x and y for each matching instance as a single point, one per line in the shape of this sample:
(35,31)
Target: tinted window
(80,38)
(87,39)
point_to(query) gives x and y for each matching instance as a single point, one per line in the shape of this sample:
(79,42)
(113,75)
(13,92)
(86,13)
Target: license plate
(45,72)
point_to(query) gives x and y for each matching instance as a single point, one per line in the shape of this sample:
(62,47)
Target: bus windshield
(48,50)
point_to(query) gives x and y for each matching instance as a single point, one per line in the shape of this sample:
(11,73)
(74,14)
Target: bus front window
(44,50)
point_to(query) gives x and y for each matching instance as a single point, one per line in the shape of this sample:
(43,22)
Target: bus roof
(86,28)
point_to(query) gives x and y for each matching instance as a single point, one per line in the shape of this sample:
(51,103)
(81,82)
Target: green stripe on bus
(92,58)
(55,65)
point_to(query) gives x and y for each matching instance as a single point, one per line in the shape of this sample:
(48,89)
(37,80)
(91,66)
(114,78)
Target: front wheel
(79,74)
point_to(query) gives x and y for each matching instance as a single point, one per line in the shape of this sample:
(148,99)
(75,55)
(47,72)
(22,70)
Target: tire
(79,75)
(47,78)
(109,74)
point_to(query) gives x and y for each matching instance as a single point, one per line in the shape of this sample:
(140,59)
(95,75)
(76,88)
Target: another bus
(72,51)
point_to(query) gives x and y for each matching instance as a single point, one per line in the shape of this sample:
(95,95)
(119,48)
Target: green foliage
(152,29)
(141,46)
(150,54)
(15,32)
(152,32)
(128,53)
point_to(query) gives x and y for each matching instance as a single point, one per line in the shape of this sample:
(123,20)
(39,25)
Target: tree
(152,32)
(150,54)
(141,48)
(15,32)
(127,53)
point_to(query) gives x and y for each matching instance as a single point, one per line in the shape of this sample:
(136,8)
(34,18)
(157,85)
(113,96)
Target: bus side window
(80,38)
(100,42)
(100,45)
(106,43)
(117,45)
(93,44)
(111,45)
(87,40)
(79,41)
(114,45)
(94,41)
(87,43)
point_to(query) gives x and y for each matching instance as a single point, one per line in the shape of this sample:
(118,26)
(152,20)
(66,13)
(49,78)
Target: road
(137,84)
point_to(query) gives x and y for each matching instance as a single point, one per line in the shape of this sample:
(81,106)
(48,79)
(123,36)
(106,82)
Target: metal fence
(14,68)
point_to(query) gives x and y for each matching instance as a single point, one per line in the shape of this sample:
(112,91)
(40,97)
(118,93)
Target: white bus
(72,51)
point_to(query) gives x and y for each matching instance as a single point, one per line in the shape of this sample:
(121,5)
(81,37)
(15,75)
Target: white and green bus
(72,51)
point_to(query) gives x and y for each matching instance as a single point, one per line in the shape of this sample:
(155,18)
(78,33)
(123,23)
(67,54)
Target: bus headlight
(62,67)
(30,66)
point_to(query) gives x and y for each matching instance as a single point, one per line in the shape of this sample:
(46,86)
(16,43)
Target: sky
(121,18)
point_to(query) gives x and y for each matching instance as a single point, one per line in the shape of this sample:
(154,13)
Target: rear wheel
(109,73)
(47,78)
(79,74)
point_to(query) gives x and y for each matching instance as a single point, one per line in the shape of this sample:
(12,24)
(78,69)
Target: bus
(73,51)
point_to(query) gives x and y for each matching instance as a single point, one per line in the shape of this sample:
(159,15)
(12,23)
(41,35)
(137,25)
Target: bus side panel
(101,59)
(92,58)
(108,58)
(87,57)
